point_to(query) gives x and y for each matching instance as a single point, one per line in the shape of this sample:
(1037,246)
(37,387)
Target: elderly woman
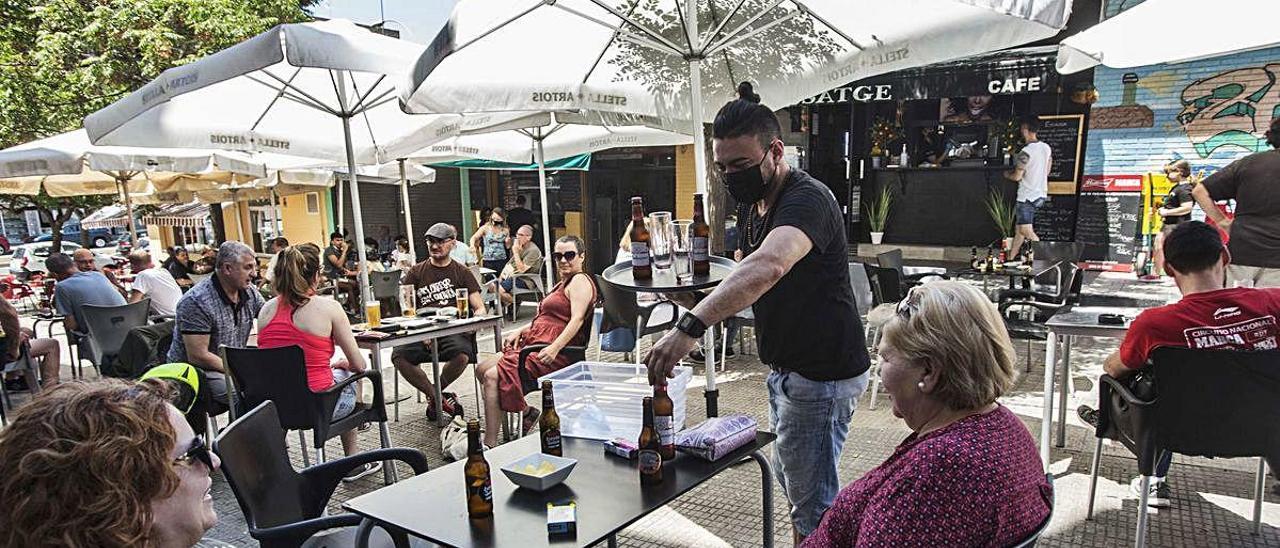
(562,320)
(108,463)
(969,474)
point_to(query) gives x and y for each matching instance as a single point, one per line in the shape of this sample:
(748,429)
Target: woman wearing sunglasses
(969,474)
(107,463)
(492,239)
(562,321)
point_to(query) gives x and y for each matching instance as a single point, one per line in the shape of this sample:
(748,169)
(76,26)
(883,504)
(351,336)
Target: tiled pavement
(1212,503)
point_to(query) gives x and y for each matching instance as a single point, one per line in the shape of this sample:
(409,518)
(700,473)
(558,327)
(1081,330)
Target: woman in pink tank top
(297,317)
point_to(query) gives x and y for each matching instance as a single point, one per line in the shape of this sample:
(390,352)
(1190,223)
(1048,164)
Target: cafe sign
(952,80)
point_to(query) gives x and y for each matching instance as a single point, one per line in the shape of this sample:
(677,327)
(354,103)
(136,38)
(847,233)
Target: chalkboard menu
(570,190)
(1063,135)
(1107,225)
(1056,219)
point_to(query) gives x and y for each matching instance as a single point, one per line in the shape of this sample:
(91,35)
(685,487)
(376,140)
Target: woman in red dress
(562,321)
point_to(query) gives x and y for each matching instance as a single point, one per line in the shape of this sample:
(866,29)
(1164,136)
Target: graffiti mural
(1233,108)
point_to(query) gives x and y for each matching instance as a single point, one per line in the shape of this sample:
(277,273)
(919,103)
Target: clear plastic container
(602,401)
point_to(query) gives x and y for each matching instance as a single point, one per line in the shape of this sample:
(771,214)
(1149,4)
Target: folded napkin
(717,436)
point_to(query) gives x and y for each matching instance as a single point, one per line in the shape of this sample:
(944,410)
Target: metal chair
(279,375)
(1209,403)
(1042,305)
(488,293)
(622,311)
(30,370)
(385,287)
(284,507)
(524,285)
(108,326)
(886,290)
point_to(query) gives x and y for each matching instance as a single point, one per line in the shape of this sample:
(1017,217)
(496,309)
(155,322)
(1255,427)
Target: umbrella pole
(275,214)
(128,207)
(700,183)
(337,183)
(408,215)
(362,266)
(542,193)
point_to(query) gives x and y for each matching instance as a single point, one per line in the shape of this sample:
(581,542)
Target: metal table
(664,281)
(1014,274)
(606,489)
(431,333)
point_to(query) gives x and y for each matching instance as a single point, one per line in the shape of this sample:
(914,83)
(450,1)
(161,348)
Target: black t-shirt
(808,322)
(1178,195)
(1254,183)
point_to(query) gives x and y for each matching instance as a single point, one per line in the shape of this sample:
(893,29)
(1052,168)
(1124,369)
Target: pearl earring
(920,384)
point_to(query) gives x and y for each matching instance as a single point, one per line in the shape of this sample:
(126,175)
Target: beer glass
(463,303)
(660,239)
(373,313)
(407,301)
(681,242)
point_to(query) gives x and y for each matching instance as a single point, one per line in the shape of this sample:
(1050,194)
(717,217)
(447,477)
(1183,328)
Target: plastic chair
(386,289)
(284,507)
(1044,305)
(488,293)
(279,375)
(532,287)
(30,372)
(107,327)
(893,259)
(622,311)
(1189,415)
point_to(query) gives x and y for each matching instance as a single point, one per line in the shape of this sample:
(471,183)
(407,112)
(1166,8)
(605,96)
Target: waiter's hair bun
(747,93)
(746,116)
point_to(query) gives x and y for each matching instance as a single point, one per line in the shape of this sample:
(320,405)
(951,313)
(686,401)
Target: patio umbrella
(291,90)
(1125,40)
(68,164)
(676,61)
(537,138)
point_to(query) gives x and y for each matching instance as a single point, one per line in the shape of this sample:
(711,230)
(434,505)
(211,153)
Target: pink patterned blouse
(976,482)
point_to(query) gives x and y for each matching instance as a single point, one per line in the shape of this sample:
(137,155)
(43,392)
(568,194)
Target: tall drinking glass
(660,239)
(681,245)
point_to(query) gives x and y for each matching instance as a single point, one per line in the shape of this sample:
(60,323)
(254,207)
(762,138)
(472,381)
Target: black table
(664,281)
(607,490)
(1014,274)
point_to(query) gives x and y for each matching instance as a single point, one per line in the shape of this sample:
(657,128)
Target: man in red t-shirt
(1208,316)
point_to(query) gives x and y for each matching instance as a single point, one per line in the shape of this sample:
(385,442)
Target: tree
(63,59)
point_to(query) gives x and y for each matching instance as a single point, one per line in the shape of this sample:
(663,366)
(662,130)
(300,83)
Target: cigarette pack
(562,518)
(622,448)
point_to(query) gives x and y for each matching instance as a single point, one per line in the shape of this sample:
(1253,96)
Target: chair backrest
(109,325)
(890,259)
(273,374)
(886,284)
(1217,403)
(620,307)
(385,285)
(862,294)
(256,464)
(1058,251)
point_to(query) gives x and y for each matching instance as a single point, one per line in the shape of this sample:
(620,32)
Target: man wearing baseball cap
(436,282)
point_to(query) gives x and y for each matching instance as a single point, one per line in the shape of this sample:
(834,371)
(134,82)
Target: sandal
(530,421)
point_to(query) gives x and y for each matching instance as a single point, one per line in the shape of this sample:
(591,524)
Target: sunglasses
(567,256)
(910,304)
(496,223)
(197,452)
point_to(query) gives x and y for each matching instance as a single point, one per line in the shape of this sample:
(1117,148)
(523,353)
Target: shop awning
(107,217)
(194,215)
(581,162)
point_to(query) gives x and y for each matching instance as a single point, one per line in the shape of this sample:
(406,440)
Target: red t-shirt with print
(1225,319)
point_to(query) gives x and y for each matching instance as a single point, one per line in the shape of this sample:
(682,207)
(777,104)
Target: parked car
(30,257)
(124,245)
(4,245)
(98,237)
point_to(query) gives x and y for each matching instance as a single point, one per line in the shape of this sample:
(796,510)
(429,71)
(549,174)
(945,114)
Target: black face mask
(747,186)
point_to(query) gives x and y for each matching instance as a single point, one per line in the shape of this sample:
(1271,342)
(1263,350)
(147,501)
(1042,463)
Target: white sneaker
(362,471)
(1157,492)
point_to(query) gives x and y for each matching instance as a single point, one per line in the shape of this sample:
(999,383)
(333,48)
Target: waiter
(795,276)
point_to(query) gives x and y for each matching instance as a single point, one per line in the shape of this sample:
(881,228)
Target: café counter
(941,206)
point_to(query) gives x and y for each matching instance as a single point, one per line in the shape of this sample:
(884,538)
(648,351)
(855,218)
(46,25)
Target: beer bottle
(701,240)
(479,488)
(973,258)
(549,423)
(664,422)
(650,455)
(641,268)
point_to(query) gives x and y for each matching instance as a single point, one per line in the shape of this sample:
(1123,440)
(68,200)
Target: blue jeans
(811,419)
(1025,212)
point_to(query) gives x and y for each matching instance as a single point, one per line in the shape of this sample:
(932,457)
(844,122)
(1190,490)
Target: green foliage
(63,59)
(877,210)
(1001,212)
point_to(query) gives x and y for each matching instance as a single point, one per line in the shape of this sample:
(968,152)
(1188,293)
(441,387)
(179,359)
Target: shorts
(1025,212)
(347,398)
(450,347)
(507,284)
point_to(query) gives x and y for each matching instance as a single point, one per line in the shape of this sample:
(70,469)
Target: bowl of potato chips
(539,471)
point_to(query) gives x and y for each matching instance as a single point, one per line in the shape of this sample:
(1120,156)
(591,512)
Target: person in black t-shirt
(795,276)
(1176,206)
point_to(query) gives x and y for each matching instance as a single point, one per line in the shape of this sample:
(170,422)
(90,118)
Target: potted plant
(1001,212)
(877,211)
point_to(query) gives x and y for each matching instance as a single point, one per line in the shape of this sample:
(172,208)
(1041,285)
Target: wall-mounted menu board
(1107,225)
(1056,219)
(1064,135)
